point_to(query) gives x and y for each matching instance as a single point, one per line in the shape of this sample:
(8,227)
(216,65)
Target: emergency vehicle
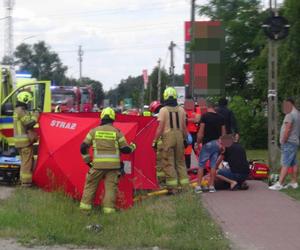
(8,92)
(86,100)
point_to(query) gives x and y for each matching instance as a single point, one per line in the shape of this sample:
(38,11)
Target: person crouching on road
(235,155)
(24,136)
(172,130)
(107,142)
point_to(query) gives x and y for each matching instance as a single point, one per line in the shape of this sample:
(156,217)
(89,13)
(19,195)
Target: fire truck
(67,98)
(87,97)
(72,98)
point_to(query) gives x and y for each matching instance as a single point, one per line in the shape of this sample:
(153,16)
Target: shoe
(277,186)
(198,189)
(212,189)
(292,185)
(235,187)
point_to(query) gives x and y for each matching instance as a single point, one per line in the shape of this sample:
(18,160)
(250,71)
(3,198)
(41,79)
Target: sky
(119,37)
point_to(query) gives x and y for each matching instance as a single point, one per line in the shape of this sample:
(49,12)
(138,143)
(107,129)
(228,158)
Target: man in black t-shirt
(230,121)
(235,155)
(212,127)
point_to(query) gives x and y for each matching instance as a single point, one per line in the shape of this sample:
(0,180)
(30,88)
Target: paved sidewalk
(257,218)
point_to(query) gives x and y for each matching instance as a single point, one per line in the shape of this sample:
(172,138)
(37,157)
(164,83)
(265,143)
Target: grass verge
(176,222)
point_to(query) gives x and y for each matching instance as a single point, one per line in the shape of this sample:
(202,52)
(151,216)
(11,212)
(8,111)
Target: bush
(252,122)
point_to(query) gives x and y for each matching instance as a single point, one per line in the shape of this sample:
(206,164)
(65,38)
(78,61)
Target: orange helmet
(154,106)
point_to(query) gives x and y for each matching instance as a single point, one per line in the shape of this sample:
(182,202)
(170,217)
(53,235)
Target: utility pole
(80,54)
(272,95)
(192,57)
(159,81)
(8,33)
(172,66)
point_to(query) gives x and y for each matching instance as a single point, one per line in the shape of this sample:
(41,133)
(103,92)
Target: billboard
(207,47)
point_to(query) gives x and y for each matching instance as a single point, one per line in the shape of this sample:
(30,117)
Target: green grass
(177,222)
(263,154)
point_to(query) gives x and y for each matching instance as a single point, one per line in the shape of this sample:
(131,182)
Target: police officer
(172,129)
(107,142)
(24,136)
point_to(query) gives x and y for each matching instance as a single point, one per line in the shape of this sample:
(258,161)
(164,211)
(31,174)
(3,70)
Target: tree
(41,62)
(289,53)
(241,20)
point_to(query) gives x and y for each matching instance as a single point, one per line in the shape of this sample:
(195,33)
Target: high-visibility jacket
(106,141)
(23,120)
(191,126)
(146,113)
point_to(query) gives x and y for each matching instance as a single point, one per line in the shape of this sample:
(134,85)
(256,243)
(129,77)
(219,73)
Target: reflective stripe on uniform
(171,182)
(107,156)
(108,210)
(26,178)
(105,135)
(106,160)
(84,206)
(160,174)
(184,181)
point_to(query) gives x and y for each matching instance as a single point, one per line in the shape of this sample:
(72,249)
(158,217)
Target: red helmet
(154,106)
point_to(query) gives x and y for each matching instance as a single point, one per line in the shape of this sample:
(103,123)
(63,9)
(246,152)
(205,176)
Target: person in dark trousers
(230,121)
(235,155)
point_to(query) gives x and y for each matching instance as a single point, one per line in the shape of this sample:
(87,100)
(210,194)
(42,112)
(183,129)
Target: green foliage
(41,62)
(178,222)
(251,120)
(289,53)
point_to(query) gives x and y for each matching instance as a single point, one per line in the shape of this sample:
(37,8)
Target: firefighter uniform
(173,118)
(107,142)
(154,108)
(23,123)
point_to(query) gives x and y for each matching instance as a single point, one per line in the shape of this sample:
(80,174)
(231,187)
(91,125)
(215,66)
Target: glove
(122,170)
(154,145)
(189,139)
(132,146)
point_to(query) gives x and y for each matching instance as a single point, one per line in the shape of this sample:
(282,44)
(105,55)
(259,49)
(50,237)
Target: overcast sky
(119,37)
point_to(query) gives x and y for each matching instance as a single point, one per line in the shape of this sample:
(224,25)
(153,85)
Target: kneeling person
(107,142)
(235,155)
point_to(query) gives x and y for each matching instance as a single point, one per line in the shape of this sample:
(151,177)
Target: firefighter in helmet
(154,108)
(172,130)
(24,136)
(107,142)
(146,111)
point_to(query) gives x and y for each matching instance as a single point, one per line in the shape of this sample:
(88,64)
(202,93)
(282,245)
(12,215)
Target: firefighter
(24,136)
(172,129)
(146,111)
(193,119)
(154,108)
(107,142)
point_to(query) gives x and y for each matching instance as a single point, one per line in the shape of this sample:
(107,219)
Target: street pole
(80,54)
(159,81)
(172,66)
(192,57)
(272,96)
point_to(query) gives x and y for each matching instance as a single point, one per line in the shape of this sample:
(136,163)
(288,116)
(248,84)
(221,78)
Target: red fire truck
(86,100)
(65,99)
(72,99)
